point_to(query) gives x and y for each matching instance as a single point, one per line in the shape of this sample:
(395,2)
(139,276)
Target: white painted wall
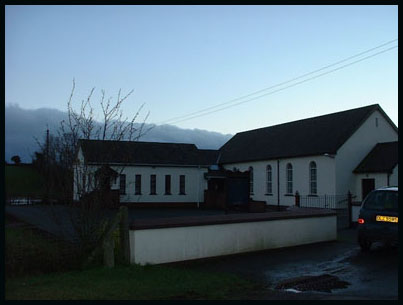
(325,177)
(353,151)
(195,184)
(394,177)
(166,245)
(381,180)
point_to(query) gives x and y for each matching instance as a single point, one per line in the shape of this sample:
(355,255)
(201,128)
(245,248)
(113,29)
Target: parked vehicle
(378,218)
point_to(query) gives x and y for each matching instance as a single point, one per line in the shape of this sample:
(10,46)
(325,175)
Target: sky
(183,59)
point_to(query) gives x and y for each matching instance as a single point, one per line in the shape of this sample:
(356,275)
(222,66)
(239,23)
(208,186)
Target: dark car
(378,219)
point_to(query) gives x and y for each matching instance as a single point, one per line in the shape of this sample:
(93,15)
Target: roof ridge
(126,141)
(311,118)
(387,143)
(138,152)
(310,136)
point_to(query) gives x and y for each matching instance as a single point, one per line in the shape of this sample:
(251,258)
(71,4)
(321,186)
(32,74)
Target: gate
(338,203)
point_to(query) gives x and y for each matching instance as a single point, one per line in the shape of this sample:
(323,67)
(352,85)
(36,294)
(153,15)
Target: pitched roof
(153,153)
(106,171)
(312,136)
(381,159)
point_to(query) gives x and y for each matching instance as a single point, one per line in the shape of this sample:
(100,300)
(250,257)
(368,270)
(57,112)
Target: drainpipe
(278,184)
(388,178)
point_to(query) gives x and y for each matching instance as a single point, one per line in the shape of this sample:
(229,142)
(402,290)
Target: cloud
(22,126)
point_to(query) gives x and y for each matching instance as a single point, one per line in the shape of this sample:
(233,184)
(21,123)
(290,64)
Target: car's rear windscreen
(382,200)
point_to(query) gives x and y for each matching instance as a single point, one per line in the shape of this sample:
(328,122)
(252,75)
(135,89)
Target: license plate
(386,218)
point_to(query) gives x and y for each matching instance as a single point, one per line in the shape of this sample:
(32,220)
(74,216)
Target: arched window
(289,178)
(313,178)
(251,180)
(269,186)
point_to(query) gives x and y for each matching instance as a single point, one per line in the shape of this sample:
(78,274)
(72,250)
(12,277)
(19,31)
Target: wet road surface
(369,276)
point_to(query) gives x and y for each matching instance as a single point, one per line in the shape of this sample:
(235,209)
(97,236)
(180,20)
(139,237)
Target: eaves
(146,164)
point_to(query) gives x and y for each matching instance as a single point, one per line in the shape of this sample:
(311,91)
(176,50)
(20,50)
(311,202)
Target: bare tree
(67,174)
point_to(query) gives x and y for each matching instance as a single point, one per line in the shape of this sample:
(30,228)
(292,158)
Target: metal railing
(324,201)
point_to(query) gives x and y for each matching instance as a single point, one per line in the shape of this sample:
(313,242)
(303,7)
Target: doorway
(367,185)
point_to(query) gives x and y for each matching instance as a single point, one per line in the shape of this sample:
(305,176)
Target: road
(370,276)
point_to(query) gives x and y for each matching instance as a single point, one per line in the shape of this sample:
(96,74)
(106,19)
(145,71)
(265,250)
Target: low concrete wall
(173,241)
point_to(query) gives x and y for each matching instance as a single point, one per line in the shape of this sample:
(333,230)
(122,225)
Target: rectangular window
(122,184)
(289,178)
(153,185)
(313,188)
(182,184)
(251,180)
(167,184)
(138,185)
(289,187)
(382,200)
(269,181)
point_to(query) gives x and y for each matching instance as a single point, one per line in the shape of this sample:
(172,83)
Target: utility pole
(47,165)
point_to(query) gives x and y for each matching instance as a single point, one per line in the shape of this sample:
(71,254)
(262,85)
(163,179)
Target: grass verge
(30,258)
(28,252)
(128,283)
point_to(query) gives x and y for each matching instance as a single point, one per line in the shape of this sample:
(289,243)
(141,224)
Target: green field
(23,181)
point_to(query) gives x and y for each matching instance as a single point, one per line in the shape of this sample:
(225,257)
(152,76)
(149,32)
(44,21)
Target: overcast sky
(182,59)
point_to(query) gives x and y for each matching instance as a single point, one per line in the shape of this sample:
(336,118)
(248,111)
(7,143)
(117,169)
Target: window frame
(122,184)
(182,185)
(90,187)
(269,182)
(289,179)
(153,184)
(313,178)
(137,184)
(84,183)
(251,181)
(168,186)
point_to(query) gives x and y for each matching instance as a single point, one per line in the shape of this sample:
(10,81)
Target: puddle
(331,272)
(322,283)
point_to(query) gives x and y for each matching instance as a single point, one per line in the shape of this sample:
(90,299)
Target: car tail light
(361,221)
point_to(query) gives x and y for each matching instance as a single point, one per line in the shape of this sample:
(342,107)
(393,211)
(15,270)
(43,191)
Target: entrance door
(367,186)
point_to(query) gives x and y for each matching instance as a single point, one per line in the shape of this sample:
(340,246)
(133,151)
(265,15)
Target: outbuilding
(378,169)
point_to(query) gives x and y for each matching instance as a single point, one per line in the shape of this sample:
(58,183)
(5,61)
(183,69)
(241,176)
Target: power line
(281,89)
(199,112)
